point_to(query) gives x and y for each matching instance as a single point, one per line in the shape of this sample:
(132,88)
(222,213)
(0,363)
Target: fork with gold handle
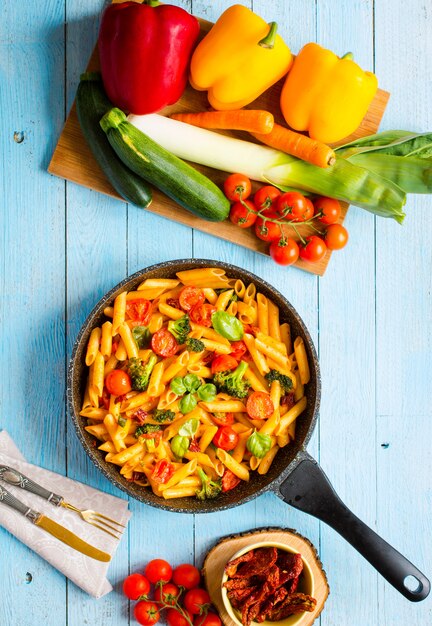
(15,478)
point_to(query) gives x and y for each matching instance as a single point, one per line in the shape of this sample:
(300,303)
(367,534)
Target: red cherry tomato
(190,297)
(157,570)
(229,480)
(175,618)
(237,187)
(238,350)
(135,585)
(265,197)
(268,230)
(167,593)
(211,619)
(202,314)
(223,419)
(314,249)
(186,576)
(118,382)
(162,471)
(139,310)
(146,613)
(197,601)
(163,343)
(336,237)
(223,363)
(284,251)
(226,438)
(294,207)
(259,406)
(241,215)
(328,210)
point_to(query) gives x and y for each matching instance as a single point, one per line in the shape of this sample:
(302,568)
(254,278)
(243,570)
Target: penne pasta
(119,312)
(267,460)
(262,304)
(273,321)
(106,339)
(128,341)
(93,346)
(236,468)
(256,355)
(302,361)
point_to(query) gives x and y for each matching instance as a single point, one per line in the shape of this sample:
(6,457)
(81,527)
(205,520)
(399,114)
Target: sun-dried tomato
(194,445)
(162,471)
(229,480)
(263,560)
(140,416)
(288,400)
(174,302)
(231,566)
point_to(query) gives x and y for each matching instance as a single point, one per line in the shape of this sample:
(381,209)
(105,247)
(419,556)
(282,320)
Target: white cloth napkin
(84,571)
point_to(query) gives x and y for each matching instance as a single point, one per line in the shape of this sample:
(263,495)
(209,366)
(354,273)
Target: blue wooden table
(63,247)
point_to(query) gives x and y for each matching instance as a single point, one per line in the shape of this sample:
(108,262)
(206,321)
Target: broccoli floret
(146,429)
(139,373)
(163,416)
(232,382)
(194,345)
(209,488)
(285,381)
(180,328)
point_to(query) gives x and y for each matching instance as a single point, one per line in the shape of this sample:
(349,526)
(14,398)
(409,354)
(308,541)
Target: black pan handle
(307,488)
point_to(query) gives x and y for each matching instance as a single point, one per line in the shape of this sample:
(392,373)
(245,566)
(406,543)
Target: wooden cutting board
(224,550)
(74,161)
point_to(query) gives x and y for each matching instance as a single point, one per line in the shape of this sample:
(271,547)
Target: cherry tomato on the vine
(265,197)
(135,585)
(237,187)
(167,593)
(186,576)
(327,209)
(211,619)
(284,251)
(313,250)
(242,214)
(146,613)
(118,382)
(164,343)
(259,405)
(197,601)
(294,206)
(190,297)
(266,229)
(336,237)
(223,363)
(175,618)
(226,438)
(157,570)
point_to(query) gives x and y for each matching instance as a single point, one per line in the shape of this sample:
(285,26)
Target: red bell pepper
(144,54)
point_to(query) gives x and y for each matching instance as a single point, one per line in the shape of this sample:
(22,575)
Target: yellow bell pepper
(326,95)
(239,59)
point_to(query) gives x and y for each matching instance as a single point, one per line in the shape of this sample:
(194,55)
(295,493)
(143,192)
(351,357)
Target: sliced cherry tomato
(223,363)
(336,237)
(202,314)
(167,593)
(197,601)
(238,349)
(313,250)
(146,613)
(162,471)
(242,214)
(158,570)
(327,209)
(237,187)
(136,585)
(259,406)
(268,230)
(288,400)
(190,297)
(294,206)
(118,382)
(284,251)
(265,197)
(223,419)
(175,618)
(229,480)
(139,310)
(163,343)
(226,438)
(211,619)
(186,576)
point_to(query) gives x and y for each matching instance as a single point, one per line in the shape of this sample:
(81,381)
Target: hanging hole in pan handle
(308,489)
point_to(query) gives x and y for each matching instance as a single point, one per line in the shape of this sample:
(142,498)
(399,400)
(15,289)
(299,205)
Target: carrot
(298,145)
(242,119)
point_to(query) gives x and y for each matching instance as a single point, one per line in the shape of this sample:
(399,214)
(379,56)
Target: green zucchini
(91,104)
(178,180)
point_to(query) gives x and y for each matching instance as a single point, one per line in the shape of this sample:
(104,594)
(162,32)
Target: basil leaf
(187,403)
(189,428)
(177,385)
(142,336)
(179,445)
(258,444)
(227,325)
(121,421)
(191,382)
(207,392)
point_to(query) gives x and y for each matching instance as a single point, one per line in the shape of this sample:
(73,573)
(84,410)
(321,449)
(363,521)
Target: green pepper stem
(348,56)
(90,76)
(270,38)
(151,3)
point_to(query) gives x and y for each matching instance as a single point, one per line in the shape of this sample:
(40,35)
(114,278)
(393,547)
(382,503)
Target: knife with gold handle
(52,527)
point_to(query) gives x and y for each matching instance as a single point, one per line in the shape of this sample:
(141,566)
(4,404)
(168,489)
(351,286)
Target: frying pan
(294,475)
